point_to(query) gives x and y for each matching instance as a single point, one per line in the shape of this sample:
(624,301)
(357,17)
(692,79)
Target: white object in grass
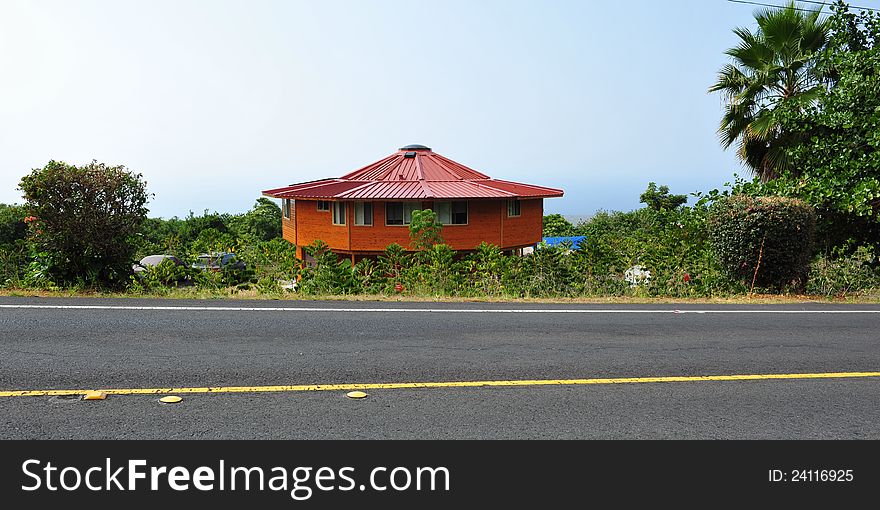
(637,275)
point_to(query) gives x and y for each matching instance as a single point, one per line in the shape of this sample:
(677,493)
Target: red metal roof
(413,173)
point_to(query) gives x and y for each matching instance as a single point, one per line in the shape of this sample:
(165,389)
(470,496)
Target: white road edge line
(410,310)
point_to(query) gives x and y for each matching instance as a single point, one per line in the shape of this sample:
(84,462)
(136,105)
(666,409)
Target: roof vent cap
(415,147)
(410,154)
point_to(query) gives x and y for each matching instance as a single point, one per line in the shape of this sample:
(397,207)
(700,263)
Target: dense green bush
(767,241)
(329,274)
(233,275)
(434,272)
(673,245)
(85,220)
(15,262)
(844,275)
(273,263)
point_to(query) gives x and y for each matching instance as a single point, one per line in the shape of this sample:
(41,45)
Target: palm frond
(772,66)
(731,81)
(775,163)
(764,125)
(752,52)
(752,152)
(735,122)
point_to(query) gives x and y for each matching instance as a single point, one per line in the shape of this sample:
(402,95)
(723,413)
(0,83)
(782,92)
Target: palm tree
(773,66)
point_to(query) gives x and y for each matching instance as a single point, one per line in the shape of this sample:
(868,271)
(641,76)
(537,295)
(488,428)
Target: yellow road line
(440,384)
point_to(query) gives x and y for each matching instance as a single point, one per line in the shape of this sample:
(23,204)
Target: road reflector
(95,395)
(170,399)
(356,394)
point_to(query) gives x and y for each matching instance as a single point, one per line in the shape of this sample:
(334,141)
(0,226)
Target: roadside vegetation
(802,107)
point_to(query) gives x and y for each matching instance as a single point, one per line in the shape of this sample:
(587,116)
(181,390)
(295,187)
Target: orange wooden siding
(526,228)
(378,236)
(484,224)
(487,221)
(312,224)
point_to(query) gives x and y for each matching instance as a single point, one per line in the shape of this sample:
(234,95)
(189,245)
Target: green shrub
(673,245)
(165,275)
(271,259)
(844,275)
(486,268)
(434,271)
(329,274)
(15,259)
(765,240)
(394,267)
(549,271)
(368,277)
(232,275)
(85,220)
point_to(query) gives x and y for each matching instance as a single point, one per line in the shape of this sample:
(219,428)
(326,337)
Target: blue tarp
(574,241)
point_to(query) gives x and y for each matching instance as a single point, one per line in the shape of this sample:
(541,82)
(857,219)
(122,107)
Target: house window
(285,208)
(363,213)
(323,205)
(399,213)
(452,213)
(513,208)
(339,213)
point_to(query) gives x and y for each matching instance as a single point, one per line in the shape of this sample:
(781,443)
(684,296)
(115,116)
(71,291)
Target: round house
(362,212)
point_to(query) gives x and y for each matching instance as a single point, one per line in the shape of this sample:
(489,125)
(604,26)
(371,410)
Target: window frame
(467,211)
(336,214)
(285,208)
(412,206)
(446,204)
(363,205)
(325,203)
(518,207)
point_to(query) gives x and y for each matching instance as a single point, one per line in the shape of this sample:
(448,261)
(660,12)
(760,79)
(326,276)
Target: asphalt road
(70,348)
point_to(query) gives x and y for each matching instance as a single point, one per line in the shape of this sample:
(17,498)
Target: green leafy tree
(86,220)
(660,199)
(555,225)
(262,222)
(211,240)
(424,230)
(772,66)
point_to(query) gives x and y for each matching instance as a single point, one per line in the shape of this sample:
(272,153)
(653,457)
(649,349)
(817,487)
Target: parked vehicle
(151,261)
(218,261)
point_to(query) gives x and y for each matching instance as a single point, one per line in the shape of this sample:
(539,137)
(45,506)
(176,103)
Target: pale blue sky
(214,101)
